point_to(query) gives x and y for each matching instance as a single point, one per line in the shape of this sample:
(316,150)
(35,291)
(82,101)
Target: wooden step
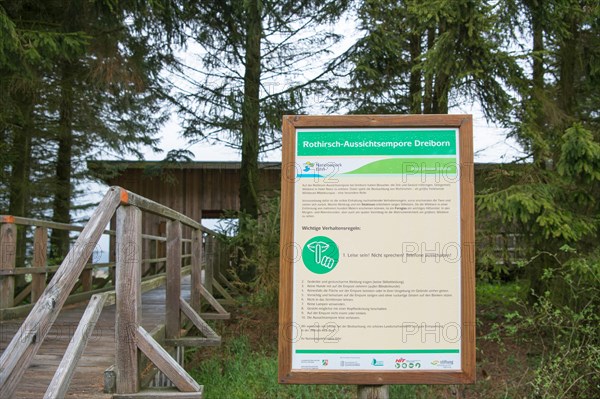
(215,316)
(194,341)
(161,393)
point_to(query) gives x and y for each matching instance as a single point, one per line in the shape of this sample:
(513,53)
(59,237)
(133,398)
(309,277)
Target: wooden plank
(148,368)
(23,294)
(467,214)
(195,342)
(173,316)
(8,254)
(128,296)
(228,284)
(20,351)
(86,280)
(223,291)
(197,320)
(210,262)
(165,363)
(63,375)
(214,303)
(40,254)
(164,393)
(196,282)
(215,316)
(300,121)
(161,210)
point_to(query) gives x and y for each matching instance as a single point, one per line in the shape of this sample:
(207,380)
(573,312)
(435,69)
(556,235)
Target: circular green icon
(320,254)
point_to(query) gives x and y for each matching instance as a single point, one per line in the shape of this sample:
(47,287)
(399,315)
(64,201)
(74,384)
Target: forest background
(81,81)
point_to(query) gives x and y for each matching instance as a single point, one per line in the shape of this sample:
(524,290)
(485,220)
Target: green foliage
(580,155)
(554,205)
(564,324)
(417,56)
(238,372)
(258,248)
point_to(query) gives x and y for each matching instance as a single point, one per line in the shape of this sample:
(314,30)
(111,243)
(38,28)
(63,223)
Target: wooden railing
(129,285)
(12,296)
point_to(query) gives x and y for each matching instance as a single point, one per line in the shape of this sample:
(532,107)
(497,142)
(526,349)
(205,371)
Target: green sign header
(382,142)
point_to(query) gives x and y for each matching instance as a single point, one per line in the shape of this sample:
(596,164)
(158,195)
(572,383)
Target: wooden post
(196,269)
(373,392)
(87,278)
(40,254)
(8,253)
(112,252)
(223,259)
(210,263)
(172,313)
(128,296)
(152,255)
(161,246)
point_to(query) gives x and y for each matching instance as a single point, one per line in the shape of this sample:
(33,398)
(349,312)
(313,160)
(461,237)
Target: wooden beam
(86,279)
(196,280)
(128,297)
(64,373)
(215,316)
(173,289)
(148,373)
(8,256)
(24,345)
(197,320)
(23,294)
(165,363)
(223,291)
(194,341)
(228,284)
(162,393)
(214,303)
(210,262)
(40,255)
(161,210)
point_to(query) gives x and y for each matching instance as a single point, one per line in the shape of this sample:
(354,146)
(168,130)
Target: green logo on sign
(320,255)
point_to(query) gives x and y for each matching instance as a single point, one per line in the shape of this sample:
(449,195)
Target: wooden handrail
(21,221)
(155,208)
(62,378)
(24,345)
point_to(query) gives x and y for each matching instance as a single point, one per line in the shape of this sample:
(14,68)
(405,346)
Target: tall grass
(238,372)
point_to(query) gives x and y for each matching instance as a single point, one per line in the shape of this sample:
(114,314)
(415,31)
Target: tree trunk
(428,95)
(567,63)
(538,71)
(441,85)
(536,267)
(415,75)
(250,123)
(19,183)
(61,208)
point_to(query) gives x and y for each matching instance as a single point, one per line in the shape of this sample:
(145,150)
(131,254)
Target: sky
(490,143)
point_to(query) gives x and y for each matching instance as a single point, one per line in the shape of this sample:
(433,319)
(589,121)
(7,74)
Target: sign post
(377,250)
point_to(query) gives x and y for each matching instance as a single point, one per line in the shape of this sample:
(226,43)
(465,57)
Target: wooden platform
(88,381)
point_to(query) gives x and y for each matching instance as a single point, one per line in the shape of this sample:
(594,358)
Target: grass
(245,365)
(241,373)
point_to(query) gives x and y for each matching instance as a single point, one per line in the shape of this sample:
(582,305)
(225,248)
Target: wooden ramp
(88,381)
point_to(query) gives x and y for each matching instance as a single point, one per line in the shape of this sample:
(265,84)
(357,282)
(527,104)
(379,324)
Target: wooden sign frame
(464,147)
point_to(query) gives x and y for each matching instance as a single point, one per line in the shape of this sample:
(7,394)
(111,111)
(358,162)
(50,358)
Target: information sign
(377,250)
